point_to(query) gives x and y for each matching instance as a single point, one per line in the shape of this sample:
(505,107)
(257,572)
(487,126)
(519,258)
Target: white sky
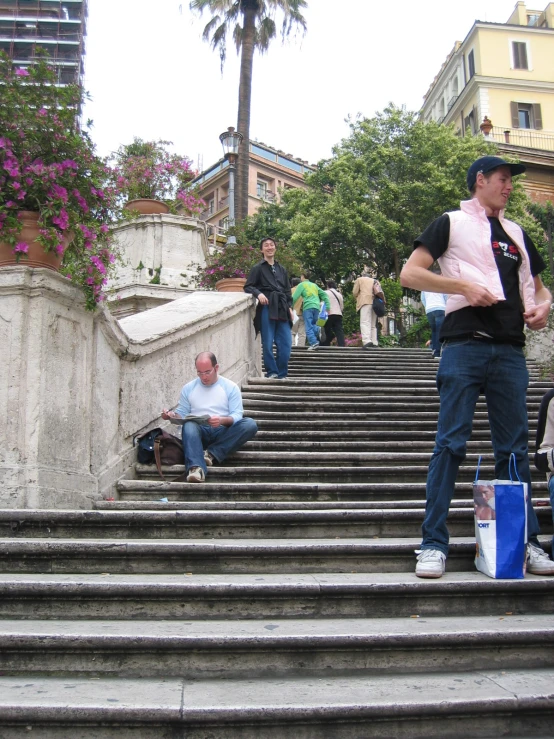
(150,74)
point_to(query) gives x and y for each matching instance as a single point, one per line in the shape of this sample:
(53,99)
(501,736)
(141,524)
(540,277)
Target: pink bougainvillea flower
(22,247)
(22,73)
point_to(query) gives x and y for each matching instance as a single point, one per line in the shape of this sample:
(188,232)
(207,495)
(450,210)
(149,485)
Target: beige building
(499,82)
(270,172)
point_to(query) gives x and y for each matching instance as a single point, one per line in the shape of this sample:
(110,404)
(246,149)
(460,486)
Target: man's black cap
(487,164)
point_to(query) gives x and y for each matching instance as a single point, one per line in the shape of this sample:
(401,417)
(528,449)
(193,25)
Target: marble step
(224,556)
(484,703)
(260,595)
(274,648)
(232,524)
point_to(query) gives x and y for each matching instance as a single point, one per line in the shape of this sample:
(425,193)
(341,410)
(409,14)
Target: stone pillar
(160,250)
(46,336)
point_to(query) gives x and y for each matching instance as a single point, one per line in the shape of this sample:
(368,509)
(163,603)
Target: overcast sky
(150,74)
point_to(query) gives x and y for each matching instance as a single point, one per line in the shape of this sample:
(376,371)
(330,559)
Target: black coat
(276,288)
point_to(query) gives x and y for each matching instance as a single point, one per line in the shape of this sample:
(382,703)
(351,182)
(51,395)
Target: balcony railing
(451,102)
(528,137)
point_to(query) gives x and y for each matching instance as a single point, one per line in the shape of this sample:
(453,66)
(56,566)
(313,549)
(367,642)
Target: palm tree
(257,29)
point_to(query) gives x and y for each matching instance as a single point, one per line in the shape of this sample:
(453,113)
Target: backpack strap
(157,457)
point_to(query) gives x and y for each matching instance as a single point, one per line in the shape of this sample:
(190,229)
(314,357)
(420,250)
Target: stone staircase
(278,599)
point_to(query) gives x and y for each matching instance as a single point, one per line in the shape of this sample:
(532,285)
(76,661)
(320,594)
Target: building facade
(270,172)
(58,26)
(499,82)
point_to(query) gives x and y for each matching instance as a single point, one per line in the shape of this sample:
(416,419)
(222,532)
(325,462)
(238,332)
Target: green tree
(543,215)
(384,184)
(252,25)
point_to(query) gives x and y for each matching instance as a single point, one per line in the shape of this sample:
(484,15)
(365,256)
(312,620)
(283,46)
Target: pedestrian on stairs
(226,429)
(490,271)
(333,327)
(435,305)
(366,288)
(312,297)
(298,327)
(269,283)
(544,454)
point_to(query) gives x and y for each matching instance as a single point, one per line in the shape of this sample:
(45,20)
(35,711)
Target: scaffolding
(57,26)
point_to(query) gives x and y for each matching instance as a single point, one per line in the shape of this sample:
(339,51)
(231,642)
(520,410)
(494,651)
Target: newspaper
(186,419)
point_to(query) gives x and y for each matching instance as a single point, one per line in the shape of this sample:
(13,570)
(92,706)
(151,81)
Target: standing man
(298,328)
(269,283)
(311,295)
(225,431)
(435,306)
(490,270)
(365,288)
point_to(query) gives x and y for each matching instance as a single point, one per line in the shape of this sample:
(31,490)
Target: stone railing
(76,386)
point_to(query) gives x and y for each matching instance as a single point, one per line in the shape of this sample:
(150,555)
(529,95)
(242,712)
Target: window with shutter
(471,64)
(537,115)
(514,115)
(519,51)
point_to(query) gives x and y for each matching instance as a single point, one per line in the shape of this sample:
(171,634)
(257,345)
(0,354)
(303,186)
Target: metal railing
(528,137)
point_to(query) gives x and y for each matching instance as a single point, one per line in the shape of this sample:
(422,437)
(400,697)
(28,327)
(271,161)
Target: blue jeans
(220,441)
(278,333)
(310,320)
(551,492)
(467,367)
(436,319)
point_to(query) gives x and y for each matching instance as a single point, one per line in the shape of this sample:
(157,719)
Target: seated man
(224,432)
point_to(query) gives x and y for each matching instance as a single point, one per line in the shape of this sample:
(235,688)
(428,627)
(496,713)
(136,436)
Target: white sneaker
(430,563)
(538,561)
(208,459)
(313,346)
(196,474)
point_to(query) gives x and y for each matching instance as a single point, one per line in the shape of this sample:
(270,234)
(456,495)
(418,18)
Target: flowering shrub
(233,260)
(236,260)
(145,169)
(354,339)
(48,165)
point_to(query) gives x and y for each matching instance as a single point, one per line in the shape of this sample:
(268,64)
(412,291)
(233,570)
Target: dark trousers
(333,328)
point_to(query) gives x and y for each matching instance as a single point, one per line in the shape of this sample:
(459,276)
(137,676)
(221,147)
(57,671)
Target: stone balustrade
(76,386)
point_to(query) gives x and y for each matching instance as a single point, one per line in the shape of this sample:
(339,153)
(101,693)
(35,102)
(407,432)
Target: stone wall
(76,386)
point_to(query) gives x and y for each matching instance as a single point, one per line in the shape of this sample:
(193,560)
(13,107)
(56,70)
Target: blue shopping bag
(501,525)
(323,315)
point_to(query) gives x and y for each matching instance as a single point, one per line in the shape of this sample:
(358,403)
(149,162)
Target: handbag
(501,525)
(378,307)
(323,315)
(158,447)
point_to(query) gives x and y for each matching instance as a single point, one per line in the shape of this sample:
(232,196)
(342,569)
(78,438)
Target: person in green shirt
(312,297)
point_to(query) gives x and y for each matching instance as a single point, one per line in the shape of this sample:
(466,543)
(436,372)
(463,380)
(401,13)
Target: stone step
(262,595)
(483,703)
(233,524)
(153,489)
(224,556)
(211,504)
(354,458)
(340,423)
(259,649)
(244,467)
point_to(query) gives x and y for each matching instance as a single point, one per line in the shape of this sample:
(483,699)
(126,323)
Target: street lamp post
(230,140)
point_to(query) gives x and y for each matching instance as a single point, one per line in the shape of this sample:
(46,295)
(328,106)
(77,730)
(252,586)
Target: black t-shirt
(502,322)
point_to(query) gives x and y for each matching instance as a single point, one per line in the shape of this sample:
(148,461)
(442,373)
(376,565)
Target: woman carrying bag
(333,327)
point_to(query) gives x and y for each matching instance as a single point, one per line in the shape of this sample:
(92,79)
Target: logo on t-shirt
(507,250)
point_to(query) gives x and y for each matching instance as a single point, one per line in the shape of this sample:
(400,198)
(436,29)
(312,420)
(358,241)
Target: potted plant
(234,261)
(152,180)
(53,198)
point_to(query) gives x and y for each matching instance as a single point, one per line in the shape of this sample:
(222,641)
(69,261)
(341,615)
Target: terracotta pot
(147,206)
(230,284)
(36,256)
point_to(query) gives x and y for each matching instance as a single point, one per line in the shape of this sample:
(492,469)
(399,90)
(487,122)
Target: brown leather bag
(168,450)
